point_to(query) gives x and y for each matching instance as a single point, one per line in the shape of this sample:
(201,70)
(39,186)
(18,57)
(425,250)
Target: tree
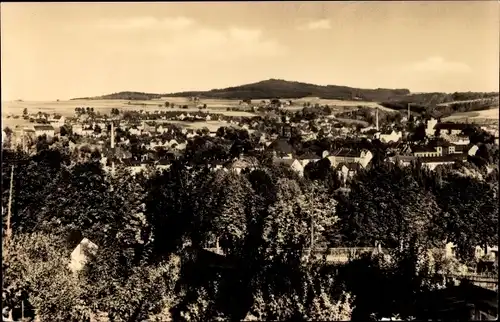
(8,131)
(470,212)
(36,272)
(386,204)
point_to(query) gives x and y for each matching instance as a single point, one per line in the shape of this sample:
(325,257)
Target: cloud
(206,44)
(438,64)
(316,25)
(183,38)
(147,23)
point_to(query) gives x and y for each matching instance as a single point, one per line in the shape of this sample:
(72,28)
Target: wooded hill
(276,88)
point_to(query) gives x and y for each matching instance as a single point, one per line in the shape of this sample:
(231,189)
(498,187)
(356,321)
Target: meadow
(489,116)
(216,106)
(67,108)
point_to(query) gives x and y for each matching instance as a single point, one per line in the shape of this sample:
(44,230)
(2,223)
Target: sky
(64,50)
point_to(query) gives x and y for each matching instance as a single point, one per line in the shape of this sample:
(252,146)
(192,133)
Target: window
(451,149)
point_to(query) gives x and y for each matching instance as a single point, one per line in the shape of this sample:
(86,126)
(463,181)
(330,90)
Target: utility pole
(9,206)
(376,111)
(409,114)
(312,233)
(112,148)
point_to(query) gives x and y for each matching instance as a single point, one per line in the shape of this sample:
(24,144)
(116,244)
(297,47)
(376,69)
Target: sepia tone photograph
(250,161)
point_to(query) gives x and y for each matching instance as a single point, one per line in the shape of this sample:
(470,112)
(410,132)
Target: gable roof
(444,158)
(43,128)
(451,126)
(351,166)
(308,156)
(422,149)
(287,162)
(281,145)
(348,153)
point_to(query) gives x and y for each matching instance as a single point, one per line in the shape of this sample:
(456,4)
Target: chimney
(376,112)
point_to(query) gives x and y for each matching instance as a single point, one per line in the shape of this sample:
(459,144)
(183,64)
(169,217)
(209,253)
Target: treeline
(274,88)
(435,104)
(277,88)
(131,96)
(151,231)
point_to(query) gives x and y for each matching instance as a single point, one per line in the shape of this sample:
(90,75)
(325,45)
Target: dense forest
(129,96)
(275,88)
(151,230)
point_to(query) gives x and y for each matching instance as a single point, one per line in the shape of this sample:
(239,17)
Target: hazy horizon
(66,50)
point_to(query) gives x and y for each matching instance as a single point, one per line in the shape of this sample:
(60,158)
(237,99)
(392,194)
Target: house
(81,254)
(291,163)
(47,130)
(362,157)
(281,148)
(163,164)
(347,170)
(136,166)
(57,121)
(456,139)
(446,128)
(241,164)
(432,162)
(134,131)
(403,160)
(437,148)
(161,129)
(306,158)
(387,137)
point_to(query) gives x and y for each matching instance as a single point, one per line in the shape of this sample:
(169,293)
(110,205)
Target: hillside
(440,104)
(123,96)
(444,104)
(276,88)
(273,88)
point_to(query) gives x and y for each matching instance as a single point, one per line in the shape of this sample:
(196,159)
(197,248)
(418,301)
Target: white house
(47,130)
(80,254)
(57,121)
(134,131)
(430,130)
(386,138)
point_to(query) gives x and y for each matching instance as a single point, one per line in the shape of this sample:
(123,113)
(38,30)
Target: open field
(67,108)
(298,103)
(483,117)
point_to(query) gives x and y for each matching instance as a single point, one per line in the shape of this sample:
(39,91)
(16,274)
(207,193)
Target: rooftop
(43,128)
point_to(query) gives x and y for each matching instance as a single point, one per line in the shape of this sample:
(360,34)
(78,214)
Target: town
(238,161)
(325,144)
(142,139)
